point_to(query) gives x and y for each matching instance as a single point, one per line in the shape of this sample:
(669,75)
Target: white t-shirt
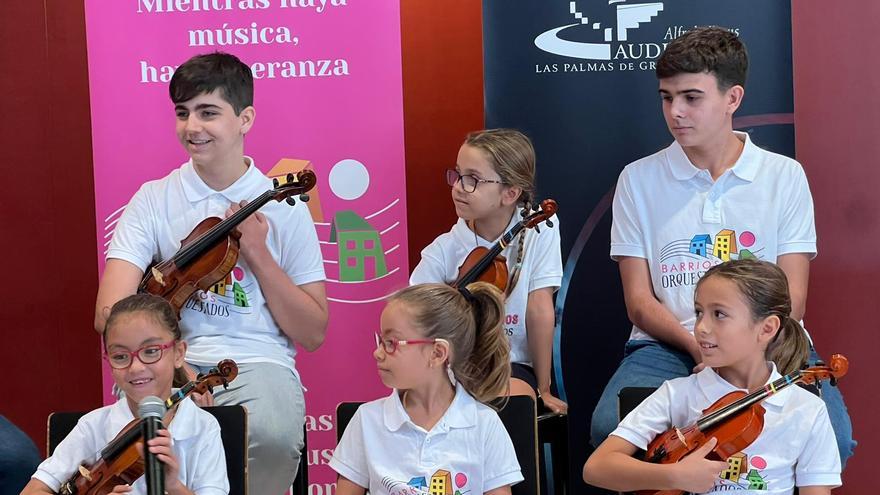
(468,450)
(232,320)
(541,267)
(797,446)
(675,216)
(195,438)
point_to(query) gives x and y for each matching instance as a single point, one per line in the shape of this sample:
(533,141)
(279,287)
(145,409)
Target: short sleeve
(208,464)
(501,467)
(649,419)
(77,448)
(626,231)
(797,226)
(431,268)
(819,462)
(547,261)
(349,458)
(134,237)
(301,255)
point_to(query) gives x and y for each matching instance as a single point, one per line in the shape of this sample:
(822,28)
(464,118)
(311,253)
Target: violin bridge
(158,276)
(681,437)
(85,473)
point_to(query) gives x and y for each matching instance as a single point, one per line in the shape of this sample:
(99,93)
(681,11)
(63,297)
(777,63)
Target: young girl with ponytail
(747,340)
(445,355)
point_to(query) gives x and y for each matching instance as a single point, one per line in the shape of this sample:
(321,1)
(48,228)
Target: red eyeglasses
(147,354)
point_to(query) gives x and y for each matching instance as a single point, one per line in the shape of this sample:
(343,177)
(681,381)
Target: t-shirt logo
(742,473)
(683,261)
(442,482)
(233,294)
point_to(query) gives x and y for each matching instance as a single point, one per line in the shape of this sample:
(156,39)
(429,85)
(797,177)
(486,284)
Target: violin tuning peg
(290,178)
(290,200)
(304,198)
(275,182)
(820,363)
(549,224)
(833,381)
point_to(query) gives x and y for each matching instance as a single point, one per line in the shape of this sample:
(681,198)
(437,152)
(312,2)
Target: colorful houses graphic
(441,483)
(228,285)
(418,482)
(756,482)
(736,464)
(699,243)
(725,244)
(360,248)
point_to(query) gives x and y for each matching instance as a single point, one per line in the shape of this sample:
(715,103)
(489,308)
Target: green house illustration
(360,250)
(756,482)
(239,295)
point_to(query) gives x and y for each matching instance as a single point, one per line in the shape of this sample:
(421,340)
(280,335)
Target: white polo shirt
(232,320)
(195,438)
(468,450)
(541,267)
(797,446)
(675,216)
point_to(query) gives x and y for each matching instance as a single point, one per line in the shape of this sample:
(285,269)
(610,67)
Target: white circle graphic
(349,179)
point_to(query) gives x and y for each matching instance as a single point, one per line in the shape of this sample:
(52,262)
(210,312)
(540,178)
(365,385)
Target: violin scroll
(295,184)
(225,372)
(547,209)
(836,370)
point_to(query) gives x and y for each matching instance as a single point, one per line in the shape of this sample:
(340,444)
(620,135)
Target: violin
(210,251)
(486,265)
(119,462)
(735,420)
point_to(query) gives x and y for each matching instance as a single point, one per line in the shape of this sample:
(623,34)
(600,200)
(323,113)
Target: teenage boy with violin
(275,297)
(709,197)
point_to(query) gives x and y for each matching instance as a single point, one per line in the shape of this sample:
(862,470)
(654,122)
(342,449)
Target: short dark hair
(714,50)
(208,72)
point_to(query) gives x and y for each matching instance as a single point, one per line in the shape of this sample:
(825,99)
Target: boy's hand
(253,231)
(161,446)
(697,474)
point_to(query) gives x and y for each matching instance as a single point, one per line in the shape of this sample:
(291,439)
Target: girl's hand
(697,474)
(161,447)
(553,403)
(121,489)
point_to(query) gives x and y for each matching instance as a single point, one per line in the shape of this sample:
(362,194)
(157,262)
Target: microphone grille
(151,406)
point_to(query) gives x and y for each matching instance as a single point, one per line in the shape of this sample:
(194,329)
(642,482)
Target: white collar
(462,412)
(746,166)
(714,387)
(182,425)
(195,188)
(466,236)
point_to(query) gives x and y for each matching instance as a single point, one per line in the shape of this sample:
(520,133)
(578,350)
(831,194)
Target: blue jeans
(275,404)
(647,363)
(840,421)
(19,458)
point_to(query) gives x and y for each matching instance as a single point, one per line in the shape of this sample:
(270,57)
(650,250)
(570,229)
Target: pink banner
(327,92)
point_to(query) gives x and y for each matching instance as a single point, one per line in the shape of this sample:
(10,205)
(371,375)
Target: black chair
(519,417)
(553,452)
(630,397)
(233,433)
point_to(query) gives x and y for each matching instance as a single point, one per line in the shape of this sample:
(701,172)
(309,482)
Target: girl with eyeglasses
(492,184)
(444,353)
(143,347)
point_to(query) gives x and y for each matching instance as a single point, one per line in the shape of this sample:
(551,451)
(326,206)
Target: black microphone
(151,409)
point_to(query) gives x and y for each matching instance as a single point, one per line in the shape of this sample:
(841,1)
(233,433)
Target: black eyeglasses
(468,182)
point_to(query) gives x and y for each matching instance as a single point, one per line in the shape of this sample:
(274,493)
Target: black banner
(578,78)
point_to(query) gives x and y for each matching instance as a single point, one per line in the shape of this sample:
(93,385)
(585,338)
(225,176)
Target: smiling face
(210,131)
(698,114)
(726,330)
(130,332)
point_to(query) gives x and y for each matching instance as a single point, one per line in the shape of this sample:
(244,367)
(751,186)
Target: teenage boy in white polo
(709,197)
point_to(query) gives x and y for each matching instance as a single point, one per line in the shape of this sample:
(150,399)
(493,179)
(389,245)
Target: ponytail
(470,320)
(790,348)
(486,371)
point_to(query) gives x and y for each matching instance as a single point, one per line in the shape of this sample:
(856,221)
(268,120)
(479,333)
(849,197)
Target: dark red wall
(50,351)
(442,101)
(837,126)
